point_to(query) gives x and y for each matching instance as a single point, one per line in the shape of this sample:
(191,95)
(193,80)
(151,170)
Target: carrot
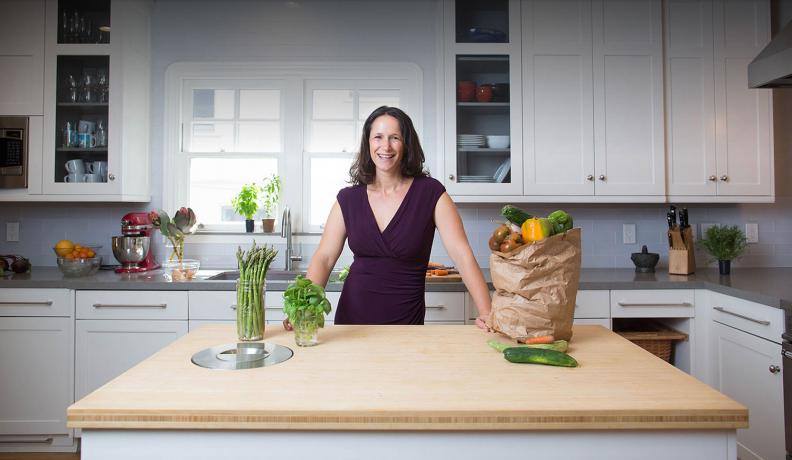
(440,272)
(543,339)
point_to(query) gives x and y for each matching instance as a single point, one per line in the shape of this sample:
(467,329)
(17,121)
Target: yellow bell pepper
(535,229)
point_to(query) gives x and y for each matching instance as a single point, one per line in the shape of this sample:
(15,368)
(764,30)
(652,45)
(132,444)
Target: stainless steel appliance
(772,68)
(13,152)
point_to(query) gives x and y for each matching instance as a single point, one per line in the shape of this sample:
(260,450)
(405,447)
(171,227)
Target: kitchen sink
(272,275)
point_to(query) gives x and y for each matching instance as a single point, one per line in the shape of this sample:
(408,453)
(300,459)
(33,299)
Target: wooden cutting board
(450,278)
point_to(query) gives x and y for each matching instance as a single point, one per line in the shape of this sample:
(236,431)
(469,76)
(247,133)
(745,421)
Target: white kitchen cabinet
(744,368)
(22,57)
(448,307)
(604,322)
(37,378)
(719,130)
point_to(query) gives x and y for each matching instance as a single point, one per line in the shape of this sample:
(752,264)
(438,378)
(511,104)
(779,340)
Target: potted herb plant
(724,243)
(269,202)
(305,305)
(246,204)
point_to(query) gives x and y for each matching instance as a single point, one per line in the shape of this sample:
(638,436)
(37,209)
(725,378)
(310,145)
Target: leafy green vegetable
(561,221)
(344,273)
(303,296)
(246,202)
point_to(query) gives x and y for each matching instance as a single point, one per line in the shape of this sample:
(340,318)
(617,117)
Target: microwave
(13,152)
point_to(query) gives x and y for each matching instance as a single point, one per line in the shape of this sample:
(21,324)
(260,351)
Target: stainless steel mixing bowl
(130,250)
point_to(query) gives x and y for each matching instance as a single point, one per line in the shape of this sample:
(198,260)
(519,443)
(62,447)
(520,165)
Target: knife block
(681,253)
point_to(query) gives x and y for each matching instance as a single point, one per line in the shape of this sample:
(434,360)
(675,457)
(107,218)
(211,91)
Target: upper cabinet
(96,88)
(22,57)
(719,130)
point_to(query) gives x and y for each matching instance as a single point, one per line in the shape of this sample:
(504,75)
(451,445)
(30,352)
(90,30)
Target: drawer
(213,305)
(604,322)
(592,304)
(653,303)
(445,306)
(132,305)
(36,302)
(757,319)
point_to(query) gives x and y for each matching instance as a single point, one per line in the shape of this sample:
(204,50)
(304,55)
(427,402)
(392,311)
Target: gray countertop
(769,286)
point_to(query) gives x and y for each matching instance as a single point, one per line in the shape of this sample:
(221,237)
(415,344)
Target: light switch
(12,231)
(628,233)
(752,232)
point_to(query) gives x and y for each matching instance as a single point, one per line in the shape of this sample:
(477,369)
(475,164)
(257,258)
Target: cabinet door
(743,129)
(22,57)
(628,98)
(36,381)
(690,98)
(558,118)
(107,348)
(742,370)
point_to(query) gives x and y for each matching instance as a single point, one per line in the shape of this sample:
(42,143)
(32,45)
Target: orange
(64,247)
(91,253)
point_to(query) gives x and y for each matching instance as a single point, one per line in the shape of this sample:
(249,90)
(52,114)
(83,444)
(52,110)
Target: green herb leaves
(305,296)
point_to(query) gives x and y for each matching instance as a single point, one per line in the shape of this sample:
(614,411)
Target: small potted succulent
(176,229)
(269,202)
(724,243)
(305,305)
(246,204)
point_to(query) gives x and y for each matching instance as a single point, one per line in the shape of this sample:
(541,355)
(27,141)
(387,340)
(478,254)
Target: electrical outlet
(628,233)
(12,231)
(705,227)
(752,232)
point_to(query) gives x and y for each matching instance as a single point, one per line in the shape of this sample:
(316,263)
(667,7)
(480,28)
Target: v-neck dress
(386,281)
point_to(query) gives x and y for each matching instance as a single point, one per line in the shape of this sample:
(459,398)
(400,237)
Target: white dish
(498,142)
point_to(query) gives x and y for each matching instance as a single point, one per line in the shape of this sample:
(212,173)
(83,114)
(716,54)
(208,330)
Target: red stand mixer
(133,249)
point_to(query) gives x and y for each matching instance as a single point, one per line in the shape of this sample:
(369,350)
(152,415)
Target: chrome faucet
(286,232)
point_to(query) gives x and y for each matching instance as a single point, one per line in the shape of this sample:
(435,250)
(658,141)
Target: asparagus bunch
(253,266)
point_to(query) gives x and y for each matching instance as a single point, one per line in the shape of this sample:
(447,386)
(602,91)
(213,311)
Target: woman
(389,216)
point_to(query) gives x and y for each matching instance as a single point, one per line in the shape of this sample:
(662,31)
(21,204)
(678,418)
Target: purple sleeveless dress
(386,280)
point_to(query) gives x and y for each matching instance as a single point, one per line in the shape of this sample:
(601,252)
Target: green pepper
(561,221)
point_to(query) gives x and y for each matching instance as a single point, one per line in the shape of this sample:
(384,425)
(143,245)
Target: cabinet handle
(602,177)
(120,305)
(451,176)
(680,304)
(437,307)
(590,177)
(273,308)
(111,176)
(757,321)
(724,178)
(713,178)
(786,354)
(27,441)
(774,369)
(233,306)
(45,302)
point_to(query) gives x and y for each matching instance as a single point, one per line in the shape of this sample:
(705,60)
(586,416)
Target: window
(240,123)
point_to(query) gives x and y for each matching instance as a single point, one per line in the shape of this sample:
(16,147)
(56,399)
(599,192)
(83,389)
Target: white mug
(74,178)
(92,178)
(98,167)
(86,140)
(75,166)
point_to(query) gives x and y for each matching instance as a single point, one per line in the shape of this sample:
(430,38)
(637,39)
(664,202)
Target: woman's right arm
(330,247)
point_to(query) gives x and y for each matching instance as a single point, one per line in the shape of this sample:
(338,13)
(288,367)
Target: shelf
(483,104)
(483,150)
(78,149)
(483,58)
(83,104)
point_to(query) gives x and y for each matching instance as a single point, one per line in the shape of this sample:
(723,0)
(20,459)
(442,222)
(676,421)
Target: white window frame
(175,192)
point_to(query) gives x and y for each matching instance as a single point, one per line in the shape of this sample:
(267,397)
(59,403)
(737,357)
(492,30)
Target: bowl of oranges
(77,259)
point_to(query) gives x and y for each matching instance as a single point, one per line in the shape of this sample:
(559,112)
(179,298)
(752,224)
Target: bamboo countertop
(407,378)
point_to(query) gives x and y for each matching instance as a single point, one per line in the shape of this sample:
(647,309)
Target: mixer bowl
(130,250)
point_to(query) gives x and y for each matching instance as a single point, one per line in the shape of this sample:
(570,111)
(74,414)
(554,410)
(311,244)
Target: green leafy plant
(724,242)
(175,228)
(303,296)
(246,202)
(271,189)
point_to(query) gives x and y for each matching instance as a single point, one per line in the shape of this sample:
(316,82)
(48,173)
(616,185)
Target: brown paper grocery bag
(535,287)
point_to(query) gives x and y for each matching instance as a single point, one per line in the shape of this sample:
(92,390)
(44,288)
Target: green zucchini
(515,215)
(558,345)
(538,356)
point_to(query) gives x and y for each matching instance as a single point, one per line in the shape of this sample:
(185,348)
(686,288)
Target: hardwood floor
(40,456)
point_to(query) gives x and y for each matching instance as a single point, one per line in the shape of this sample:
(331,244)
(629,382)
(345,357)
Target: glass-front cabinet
(482,49)
(96,100)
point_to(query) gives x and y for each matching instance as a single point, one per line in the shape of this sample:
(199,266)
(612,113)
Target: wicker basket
(653,337)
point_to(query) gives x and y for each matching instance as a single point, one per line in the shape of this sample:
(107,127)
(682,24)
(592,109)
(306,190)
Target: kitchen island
(407,392)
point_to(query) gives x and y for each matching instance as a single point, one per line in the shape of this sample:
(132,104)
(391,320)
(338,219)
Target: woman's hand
(287,325)
(481,322)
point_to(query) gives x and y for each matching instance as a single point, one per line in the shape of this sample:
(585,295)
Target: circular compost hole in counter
(242,355)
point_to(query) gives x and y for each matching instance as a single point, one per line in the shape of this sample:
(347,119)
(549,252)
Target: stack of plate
(467,141)
(476,179)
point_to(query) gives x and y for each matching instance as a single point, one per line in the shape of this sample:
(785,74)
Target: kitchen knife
(673,214)
(670,220)
(683,219)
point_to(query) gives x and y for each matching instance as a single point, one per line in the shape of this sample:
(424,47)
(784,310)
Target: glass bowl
(79,266)
(181,271)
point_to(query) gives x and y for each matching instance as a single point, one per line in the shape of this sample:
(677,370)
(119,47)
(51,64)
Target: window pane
(212,136)
(332,104)
(260,104)
(328,176)
(332,136)
(213,103)
(259,136)
(215,181)
(368,100)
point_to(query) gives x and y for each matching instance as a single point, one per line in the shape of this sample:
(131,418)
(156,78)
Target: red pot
(484,93)
(466,90)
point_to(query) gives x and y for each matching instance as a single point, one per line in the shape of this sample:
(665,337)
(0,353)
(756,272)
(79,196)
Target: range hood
(772,68)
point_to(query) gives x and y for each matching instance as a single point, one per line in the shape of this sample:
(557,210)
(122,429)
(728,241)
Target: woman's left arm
(452,232)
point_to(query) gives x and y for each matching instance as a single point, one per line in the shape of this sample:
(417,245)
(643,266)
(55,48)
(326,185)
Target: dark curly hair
(363,170)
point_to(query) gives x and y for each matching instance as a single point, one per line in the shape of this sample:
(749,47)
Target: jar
(484,93)
(466,90)
(306,328)
(250,310)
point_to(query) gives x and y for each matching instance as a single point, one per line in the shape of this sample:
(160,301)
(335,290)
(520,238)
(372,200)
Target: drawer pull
(680,304)
(233,307)
(119,305)
(45,302)
(27,441)
(757,321)
(437,307)
(774,369)
(273,308)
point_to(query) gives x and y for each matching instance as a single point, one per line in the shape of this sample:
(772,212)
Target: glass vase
(250,310)
(306,329)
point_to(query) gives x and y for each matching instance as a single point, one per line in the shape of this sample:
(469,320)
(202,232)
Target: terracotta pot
(268,225)
(466,90)
(484,93)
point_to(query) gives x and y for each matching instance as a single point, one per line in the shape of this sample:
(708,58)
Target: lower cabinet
(747,369)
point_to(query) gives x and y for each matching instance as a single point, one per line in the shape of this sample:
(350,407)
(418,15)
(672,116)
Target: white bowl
(498,142)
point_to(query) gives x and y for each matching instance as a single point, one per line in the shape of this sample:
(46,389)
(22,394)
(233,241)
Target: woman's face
(386,144)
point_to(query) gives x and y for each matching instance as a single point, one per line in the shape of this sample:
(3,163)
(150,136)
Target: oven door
(786,351)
